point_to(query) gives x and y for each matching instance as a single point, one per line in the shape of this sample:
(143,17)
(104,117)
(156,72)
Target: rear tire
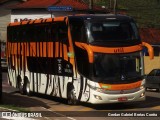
(72,100)
(21,87)
(27,87)
(28,92)
(158,90)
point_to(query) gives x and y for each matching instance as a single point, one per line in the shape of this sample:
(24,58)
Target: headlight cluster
(102,90)
(142,84)
(142,87)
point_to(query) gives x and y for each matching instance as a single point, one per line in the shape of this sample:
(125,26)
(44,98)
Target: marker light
(142,95)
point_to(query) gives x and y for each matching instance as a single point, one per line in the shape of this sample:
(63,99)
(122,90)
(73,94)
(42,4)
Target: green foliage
(13,107)
(145,12)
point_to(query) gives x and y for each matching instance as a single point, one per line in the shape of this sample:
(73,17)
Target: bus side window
(9,34)
(39,33)
(28,33)
(15,34)
(78,31)
(31,33)
(23,35)
(63,32)
(47,33)
(53,32)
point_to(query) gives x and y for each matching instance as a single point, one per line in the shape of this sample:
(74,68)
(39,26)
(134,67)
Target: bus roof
(102,16)
(41,20)
(82,16)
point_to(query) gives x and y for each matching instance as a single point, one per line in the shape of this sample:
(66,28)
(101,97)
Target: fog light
(142,95)
(97,97)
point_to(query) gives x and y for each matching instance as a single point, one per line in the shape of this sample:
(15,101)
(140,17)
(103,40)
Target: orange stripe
(121,86)
(49,20)
(65,52)
(38,21)
(116,49)
(90,49)
(14,24)
(87,48)
(41,52)
(24,22)
(49,49)
(59,18)
(150,49)
(31,21)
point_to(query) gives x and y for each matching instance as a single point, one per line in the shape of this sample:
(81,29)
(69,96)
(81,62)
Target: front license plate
(121,99)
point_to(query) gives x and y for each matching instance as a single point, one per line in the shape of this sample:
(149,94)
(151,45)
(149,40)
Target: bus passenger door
(81,60)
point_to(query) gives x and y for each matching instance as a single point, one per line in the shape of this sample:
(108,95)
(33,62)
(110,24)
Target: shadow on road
(21,101)
(14,98)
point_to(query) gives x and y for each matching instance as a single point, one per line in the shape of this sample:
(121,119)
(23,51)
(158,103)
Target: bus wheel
(72,97)
(27,87)
(20,87)
(28,92)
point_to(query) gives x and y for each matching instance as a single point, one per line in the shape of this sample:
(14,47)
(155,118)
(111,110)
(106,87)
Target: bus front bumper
(102,98)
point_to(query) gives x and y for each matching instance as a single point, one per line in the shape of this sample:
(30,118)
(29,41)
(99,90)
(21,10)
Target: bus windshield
(103,31)
(116,68)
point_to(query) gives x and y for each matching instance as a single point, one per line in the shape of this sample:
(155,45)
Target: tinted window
(115,67)
(78,30)
(111,30)
(56,31)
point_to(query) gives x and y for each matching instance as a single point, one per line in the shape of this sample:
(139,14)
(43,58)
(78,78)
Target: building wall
(4,20)
(151,64)
(29,14)
(5,17)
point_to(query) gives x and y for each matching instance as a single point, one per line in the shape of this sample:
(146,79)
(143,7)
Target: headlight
(142,84)
(98,89)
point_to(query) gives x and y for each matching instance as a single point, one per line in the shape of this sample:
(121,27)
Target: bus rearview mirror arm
(150,50)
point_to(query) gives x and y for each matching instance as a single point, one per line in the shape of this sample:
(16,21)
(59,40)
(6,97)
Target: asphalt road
(51,107)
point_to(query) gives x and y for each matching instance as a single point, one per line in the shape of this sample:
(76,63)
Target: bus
(93,58)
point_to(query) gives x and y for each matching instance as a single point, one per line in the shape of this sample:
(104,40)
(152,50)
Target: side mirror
(150,49)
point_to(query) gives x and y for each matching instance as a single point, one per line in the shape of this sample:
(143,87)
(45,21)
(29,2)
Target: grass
(145,12)
(13,108)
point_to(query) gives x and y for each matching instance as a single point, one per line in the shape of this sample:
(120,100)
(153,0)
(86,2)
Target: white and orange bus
(89,58)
